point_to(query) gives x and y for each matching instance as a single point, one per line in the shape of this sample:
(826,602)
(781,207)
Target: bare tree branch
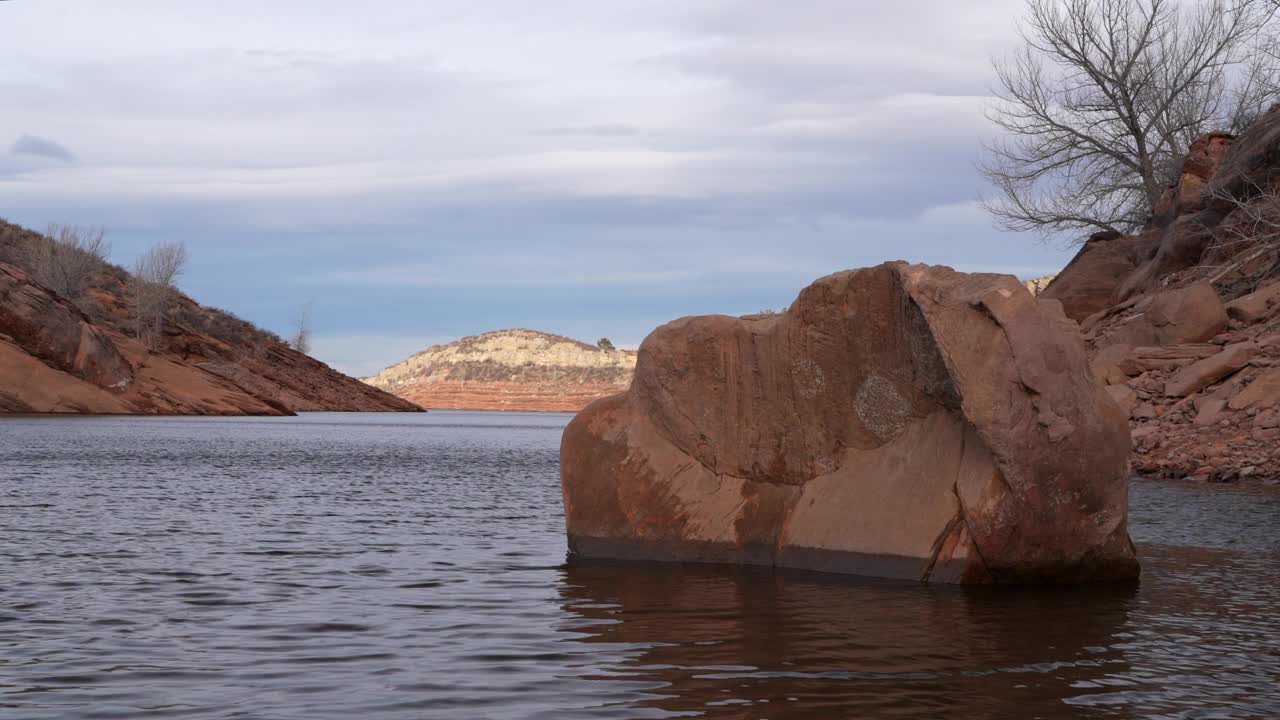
(153,285)
(1101,105)
(67,258)
(1251,231)
(301,339)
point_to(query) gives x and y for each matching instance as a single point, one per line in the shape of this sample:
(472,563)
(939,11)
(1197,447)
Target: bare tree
(1258,82)
(1102,103)
(66,258)
(301,339)
(152,287)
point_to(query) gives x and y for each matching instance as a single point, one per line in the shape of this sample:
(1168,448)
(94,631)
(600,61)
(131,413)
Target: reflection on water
(411,567)
(811,646)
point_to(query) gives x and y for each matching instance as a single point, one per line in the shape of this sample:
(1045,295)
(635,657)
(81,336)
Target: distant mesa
(1038,285)
(519,370)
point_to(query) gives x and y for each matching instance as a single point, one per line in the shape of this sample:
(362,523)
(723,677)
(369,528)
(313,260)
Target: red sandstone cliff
(1182,320)
(57,358)
(509,370)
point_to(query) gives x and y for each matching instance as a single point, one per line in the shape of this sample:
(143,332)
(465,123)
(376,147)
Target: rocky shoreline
(913,422)
(1182,320)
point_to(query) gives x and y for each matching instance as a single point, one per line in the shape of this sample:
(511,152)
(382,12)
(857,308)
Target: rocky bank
(57,356)
(913,422)
(509,370)
(1182,320)
(900,421)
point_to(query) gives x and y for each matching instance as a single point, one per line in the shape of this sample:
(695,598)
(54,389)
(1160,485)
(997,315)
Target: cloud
(963,213)
(605,130)
(40,147)
(1022,272)
(439,169)
(827,50)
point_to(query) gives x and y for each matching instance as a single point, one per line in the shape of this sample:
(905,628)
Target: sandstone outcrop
(28,385)
(57,358)
(1203,373)
(1186,228)
(1188,341)
(521,370)
(56,332)
(1191,314)
(1088,283)
(902,421)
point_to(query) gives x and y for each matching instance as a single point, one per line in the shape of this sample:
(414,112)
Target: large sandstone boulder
(1255,306)
(901,421)
(1203,373)
(1192,314)
(1265,390)
(1088,283)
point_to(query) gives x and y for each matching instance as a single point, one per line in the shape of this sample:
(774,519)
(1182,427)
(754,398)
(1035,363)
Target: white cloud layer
(394,153)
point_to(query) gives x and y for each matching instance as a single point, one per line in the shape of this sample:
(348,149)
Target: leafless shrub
(231,329)
(1102,103)
(152,287)
(1250,233)
(301,339)
(66,259)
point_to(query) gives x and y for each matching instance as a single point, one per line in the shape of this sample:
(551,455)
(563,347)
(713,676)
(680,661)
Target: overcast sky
(426,169)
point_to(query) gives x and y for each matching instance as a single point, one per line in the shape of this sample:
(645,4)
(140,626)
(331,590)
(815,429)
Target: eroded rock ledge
(900,421)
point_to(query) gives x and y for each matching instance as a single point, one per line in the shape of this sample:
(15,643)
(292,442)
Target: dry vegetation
(1249,241)
(301,337)
(74,263)
(152,290)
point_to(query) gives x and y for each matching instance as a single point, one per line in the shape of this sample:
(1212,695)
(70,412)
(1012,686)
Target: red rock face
(1191,314)
(54,359)
(1183,230)
(1197,376)
(1088,283)
(1184,225)
(900,421)
(57,333)
(1201,164)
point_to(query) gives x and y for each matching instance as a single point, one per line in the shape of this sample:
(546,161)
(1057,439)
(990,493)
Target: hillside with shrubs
(79,334)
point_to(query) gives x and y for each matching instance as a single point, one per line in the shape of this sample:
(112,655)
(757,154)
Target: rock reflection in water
(807,646)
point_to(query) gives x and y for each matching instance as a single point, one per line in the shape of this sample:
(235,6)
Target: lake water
(413,566)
